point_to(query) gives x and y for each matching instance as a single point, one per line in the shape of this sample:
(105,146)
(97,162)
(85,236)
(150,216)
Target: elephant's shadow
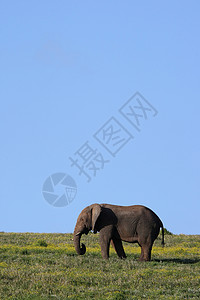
(185,261)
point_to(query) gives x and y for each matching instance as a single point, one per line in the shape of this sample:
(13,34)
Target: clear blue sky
(66,68)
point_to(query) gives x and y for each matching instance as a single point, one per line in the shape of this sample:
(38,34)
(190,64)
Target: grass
(46,266)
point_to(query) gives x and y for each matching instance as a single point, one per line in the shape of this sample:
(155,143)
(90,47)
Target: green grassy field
(45,266)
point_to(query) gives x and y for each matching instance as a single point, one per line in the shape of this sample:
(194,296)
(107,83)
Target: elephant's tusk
(78,233)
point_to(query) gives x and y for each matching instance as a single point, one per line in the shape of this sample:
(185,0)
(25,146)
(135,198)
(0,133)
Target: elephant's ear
(96,210)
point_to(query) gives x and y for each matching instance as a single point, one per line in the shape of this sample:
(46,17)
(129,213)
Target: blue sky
(66,69)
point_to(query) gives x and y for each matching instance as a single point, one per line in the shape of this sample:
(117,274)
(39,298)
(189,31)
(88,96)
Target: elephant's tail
(163,241)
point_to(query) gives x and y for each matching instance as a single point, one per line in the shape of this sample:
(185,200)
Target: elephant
(133,224)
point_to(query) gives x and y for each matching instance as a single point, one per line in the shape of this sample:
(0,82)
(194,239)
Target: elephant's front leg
(117,245)
(105,236)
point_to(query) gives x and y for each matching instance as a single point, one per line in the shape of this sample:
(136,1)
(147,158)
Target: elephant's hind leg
(145,253)
(117,245)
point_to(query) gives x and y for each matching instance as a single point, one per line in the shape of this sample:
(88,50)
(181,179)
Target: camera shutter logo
(59,189)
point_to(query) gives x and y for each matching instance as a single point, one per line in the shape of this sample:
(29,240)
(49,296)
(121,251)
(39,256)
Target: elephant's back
(134,210)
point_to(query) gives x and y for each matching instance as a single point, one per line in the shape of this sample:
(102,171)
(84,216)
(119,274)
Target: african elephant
(133,224)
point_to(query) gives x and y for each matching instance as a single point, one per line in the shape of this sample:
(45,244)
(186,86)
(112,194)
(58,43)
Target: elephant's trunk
(79,249)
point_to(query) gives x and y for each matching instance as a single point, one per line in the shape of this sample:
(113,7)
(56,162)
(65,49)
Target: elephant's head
(86,221)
